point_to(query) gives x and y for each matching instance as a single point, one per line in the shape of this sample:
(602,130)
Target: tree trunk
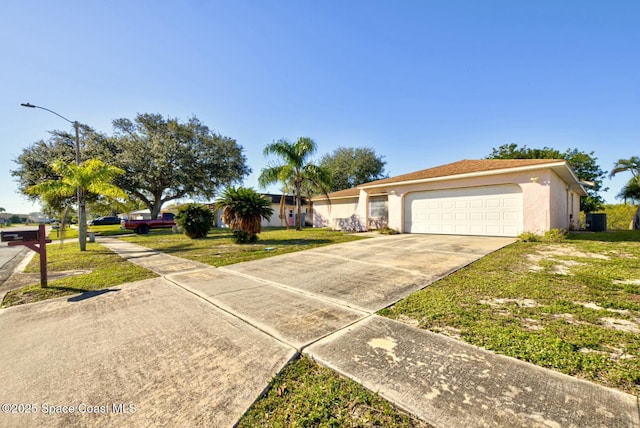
(82,220)
(636,220)
(155,210)
(299,206)
(283,209)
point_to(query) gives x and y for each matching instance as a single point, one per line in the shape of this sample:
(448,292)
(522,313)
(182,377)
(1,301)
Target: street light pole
(82,214)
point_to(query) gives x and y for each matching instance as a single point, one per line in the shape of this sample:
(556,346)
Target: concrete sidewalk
(440,380)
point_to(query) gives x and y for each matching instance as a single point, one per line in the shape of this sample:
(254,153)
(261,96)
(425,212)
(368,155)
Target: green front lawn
(572,306)
(106,269)
(219,249)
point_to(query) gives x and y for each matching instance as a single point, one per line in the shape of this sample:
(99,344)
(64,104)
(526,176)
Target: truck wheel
(143,229)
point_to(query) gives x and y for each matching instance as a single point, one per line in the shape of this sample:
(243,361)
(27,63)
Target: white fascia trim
(336,198)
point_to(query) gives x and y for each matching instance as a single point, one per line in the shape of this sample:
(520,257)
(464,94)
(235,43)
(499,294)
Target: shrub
(242,237)
(243,210)
(619,216)
(529,237)
(554,235)
(386,230)
(195,220)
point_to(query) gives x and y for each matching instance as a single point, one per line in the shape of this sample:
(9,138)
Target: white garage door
(489,210)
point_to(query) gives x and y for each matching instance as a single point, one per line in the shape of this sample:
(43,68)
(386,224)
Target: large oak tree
(165,159)
(350,167)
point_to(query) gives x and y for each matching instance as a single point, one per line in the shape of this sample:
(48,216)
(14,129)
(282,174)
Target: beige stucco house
(471,197)
(289,208)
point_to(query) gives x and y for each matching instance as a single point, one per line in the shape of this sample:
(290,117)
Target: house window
(378,208)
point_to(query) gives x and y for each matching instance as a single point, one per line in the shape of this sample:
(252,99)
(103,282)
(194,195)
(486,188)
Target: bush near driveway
(572,306)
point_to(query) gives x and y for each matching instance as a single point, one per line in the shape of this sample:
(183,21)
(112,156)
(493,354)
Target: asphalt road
(10,257)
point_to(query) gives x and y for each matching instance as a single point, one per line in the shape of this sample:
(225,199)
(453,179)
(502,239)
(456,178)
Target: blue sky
(424,83)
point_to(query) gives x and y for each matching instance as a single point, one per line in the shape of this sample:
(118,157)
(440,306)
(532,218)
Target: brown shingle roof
(464,167)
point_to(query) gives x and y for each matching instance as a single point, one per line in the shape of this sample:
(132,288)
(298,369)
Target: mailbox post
(35,240)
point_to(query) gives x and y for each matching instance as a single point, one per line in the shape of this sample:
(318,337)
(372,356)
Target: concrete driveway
(196,346)
(302,297)
(370,274)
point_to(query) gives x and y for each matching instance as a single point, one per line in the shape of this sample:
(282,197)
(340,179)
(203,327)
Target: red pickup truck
(165,221)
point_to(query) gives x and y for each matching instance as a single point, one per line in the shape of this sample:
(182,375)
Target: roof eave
(333,198)
(467,175)
(324,198)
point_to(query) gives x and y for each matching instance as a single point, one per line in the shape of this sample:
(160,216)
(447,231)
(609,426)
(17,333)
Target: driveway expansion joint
(233,314)
(297,290)
(363,262)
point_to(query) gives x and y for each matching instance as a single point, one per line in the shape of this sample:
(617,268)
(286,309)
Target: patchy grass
(572,306)
(220,249)
(305,394)
(106,268)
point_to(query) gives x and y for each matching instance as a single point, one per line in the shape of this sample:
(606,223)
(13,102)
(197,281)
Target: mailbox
(19,235)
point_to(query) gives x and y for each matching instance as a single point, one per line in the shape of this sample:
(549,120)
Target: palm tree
(631,190)
(295,169)
(243,210)
(632,165)
(91,176)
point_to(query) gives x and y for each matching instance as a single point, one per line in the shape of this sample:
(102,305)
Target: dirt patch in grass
(621,324)
(525,303)
(554,258)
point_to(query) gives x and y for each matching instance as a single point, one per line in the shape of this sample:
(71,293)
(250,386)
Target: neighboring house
(146,213)
(491,197)
(275,220)
(137,215)
(289,207)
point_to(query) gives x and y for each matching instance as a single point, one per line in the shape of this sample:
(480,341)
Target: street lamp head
(50,111)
